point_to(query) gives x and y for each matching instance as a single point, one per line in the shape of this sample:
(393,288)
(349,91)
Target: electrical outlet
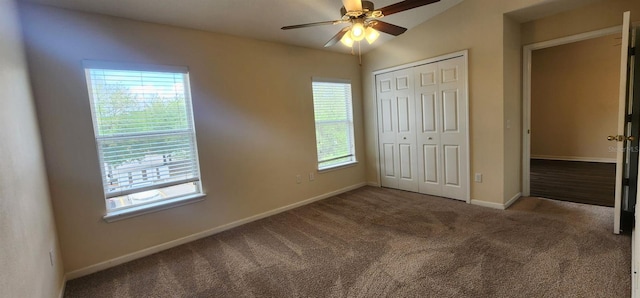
(478,177)
(51,256)
(298,179)
(508,124)
(312,176)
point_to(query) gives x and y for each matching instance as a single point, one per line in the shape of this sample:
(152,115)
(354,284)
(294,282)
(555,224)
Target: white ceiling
(258,19)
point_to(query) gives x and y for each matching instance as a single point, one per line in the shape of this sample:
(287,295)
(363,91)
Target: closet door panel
(406,162)
(450,111)
(430,158)
(454,136)
(387,156)
(452,165)
(406,137)
(428,109)
(386,115)
(428,136)
(404,120)
(387,130)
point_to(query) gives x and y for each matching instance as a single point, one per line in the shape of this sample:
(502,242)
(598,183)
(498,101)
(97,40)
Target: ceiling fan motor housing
(366,6)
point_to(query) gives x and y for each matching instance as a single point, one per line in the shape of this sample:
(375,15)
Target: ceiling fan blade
(404,5)
(389,28)
(312,24)
(352,5)
(336,37)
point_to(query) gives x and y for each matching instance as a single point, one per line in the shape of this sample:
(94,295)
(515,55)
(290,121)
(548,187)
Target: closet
(423,127)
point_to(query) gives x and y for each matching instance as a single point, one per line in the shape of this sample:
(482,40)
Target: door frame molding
(465,55)
(526,92)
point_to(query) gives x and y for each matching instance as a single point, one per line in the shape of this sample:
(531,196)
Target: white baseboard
(497,205)
(512,200)
(164,246)
(575,158)
(487,204)
(635,263)
(64,284)
(374,183)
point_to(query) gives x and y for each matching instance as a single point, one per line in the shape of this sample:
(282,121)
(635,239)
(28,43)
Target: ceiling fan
(364,21)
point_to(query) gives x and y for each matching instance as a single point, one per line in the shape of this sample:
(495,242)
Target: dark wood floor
(575,181)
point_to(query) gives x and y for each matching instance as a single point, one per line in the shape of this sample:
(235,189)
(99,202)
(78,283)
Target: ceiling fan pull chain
(359,54)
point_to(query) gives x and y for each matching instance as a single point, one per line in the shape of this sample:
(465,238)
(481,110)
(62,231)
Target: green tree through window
(144,129)
(333,114)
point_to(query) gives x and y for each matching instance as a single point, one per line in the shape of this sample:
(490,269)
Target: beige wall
(512,76)
(27,230)
(574,99)
(253,116)
(600,15)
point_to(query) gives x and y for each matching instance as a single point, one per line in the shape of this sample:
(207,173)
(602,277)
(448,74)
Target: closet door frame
(465,55)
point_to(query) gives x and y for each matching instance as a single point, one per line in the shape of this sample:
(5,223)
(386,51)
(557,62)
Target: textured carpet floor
(375,242)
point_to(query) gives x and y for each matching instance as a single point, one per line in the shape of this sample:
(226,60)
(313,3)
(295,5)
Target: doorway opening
(625,141)
(570,104)
(574,107)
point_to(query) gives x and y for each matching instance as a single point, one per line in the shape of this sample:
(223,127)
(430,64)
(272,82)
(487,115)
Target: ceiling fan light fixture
(346,39)
(363,18)
(357,31)
(371,34)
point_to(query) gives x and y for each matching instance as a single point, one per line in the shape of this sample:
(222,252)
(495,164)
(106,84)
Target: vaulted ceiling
(262,19)
(258,19)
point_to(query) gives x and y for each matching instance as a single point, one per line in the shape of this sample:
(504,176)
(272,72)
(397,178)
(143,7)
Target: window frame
(155,205)
(349,120)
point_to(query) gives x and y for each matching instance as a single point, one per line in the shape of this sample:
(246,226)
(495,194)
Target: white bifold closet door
(423,128)
(397,131)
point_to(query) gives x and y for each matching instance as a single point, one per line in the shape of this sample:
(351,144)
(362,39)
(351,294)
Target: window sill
(338,166)
(153,207)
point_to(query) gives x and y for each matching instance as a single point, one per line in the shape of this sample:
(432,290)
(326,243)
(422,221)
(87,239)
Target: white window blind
(143,124)
(334,123)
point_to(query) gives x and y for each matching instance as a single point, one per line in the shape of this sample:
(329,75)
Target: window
(333,114)
(145,137)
